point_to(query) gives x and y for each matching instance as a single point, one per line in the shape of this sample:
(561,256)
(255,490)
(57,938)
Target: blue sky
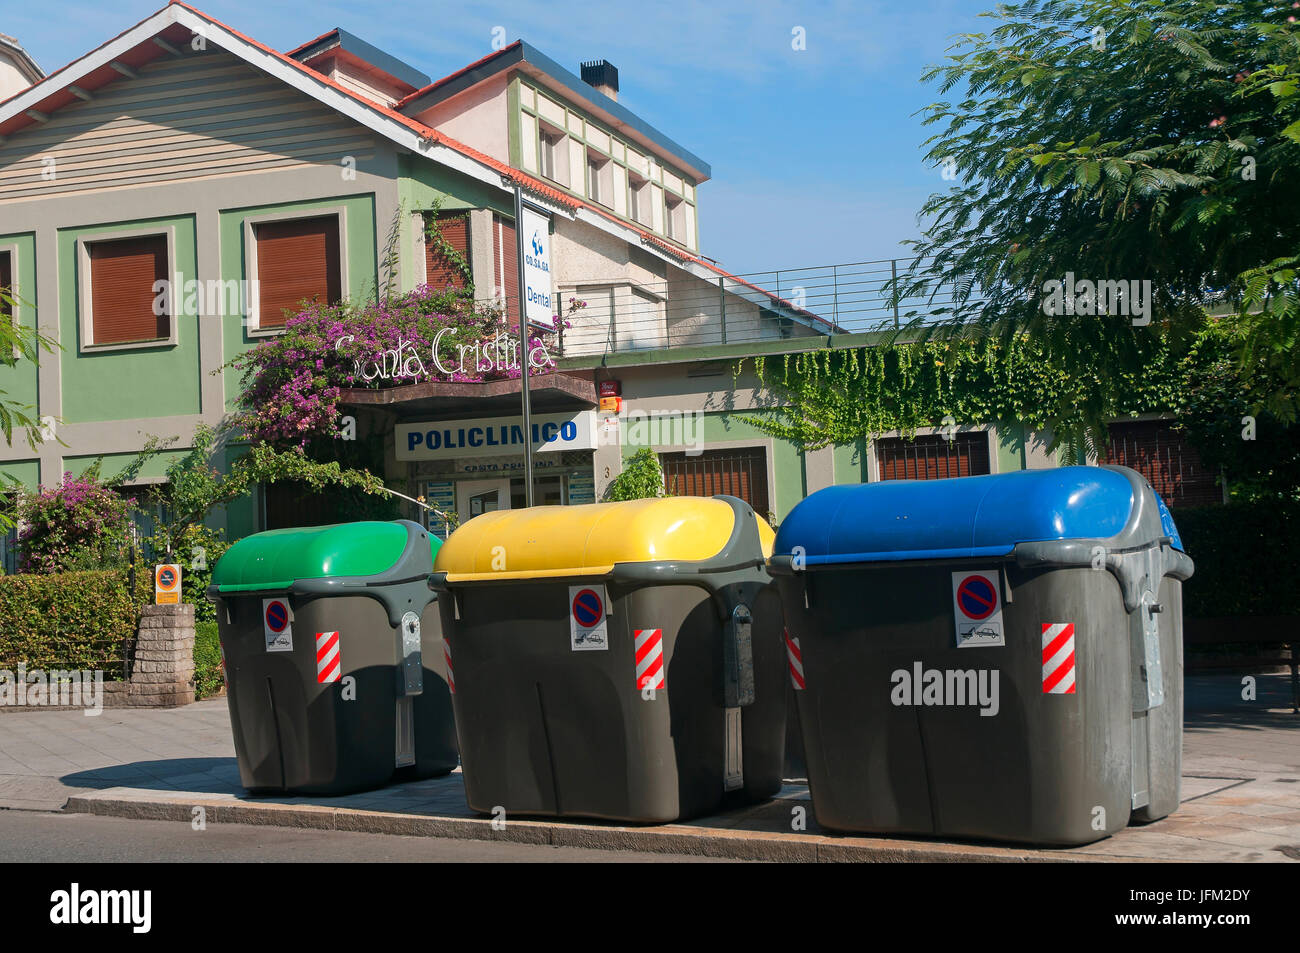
(815,153)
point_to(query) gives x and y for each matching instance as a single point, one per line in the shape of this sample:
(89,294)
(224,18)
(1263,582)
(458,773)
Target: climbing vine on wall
(839,395)
(433,223)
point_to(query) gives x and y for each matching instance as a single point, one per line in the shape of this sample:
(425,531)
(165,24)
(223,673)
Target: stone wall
(163,673)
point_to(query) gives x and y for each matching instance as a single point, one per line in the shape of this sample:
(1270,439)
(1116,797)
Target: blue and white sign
(535,247)
(494,436)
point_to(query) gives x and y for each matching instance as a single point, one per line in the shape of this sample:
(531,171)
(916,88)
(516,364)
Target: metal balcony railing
(687,311)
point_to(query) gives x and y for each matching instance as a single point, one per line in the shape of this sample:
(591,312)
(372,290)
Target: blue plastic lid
(1167,523)
(956,518)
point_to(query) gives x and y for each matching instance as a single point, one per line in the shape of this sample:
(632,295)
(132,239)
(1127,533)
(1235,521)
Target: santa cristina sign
(489,436)
(538,296)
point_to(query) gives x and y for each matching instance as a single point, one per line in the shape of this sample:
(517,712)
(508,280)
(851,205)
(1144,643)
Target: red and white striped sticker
(794,655)
(329,659)
(451,677)
(1058,658)
(649,645)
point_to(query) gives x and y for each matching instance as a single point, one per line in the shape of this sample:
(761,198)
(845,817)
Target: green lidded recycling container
(335,673)
(615,660)
(994,657)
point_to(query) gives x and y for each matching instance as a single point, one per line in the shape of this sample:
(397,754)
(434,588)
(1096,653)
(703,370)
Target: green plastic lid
(279,557)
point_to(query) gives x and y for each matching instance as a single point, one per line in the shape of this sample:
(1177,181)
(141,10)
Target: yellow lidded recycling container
(615,660)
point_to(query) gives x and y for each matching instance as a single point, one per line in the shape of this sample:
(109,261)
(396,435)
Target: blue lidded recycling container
(996,657)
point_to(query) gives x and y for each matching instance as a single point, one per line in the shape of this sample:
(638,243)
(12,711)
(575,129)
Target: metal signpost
(533,250)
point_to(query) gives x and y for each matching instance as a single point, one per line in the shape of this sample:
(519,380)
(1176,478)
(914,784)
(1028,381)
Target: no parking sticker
(167,584)
(977,609)
(588,631)
(276,626)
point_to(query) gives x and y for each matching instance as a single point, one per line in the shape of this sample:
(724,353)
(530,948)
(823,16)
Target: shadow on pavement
(1215,701)
(190,775)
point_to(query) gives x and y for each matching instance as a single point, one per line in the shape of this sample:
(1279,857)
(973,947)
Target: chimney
(603,75)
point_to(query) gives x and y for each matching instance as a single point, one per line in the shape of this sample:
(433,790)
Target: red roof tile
(450,76)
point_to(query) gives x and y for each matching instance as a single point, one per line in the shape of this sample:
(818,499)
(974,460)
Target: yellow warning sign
(167,584)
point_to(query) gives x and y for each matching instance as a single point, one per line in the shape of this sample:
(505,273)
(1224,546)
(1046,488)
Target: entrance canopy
(439,399)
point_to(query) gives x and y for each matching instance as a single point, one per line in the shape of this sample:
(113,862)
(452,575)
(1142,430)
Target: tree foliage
(642,478)
(1119,139)
(18,344)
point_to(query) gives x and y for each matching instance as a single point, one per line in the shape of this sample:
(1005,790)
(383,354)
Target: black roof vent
(603,75)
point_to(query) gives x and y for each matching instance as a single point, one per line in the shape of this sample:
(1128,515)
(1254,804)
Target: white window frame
(252,319)
(86,318)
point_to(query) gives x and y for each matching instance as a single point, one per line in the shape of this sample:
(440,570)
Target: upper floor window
(126,296)
(294,261)
(1162,454)
(638,205)
(554,153)
(675,218)
(600,178)
(933,457)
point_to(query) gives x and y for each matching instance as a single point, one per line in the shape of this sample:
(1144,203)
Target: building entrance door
(476,497)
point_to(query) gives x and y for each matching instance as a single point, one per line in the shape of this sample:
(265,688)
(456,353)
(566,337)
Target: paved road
(34,836)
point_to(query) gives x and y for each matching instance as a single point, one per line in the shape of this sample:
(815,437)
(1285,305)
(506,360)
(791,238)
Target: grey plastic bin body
(547,730)
(876,595)
(384,712)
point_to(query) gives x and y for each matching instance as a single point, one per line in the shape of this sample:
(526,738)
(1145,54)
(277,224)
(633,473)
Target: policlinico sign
(487,436)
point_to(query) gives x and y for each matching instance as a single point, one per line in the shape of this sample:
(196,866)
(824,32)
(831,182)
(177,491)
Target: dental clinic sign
(490,436)
(535,252)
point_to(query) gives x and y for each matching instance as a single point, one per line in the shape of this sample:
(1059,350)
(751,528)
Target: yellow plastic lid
(589,539)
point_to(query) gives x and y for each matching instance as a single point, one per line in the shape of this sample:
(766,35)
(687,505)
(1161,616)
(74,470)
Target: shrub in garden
(642,478)
(208,676)
(79,524)
(83,620)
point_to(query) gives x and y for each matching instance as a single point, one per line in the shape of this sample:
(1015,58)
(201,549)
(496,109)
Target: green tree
(1256,454)
(642,478)
(1119,139)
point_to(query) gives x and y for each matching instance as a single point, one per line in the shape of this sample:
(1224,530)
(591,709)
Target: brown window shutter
(1162,454)
(122,296)
(440,272)
(6,284)
(933,457)
(740,473)
(297,261)
(505,254)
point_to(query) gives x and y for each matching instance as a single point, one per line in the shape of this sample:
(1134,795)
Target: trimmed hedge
(81,620)
(1246,557)
(208,676)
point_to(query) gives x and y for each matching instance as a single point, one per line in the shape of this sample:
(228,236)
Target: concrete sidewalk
(1241,791)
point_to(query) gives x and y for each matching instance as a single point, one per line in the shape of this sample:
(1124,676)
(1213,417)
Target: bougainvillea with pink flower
(292,382)
(79,524)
